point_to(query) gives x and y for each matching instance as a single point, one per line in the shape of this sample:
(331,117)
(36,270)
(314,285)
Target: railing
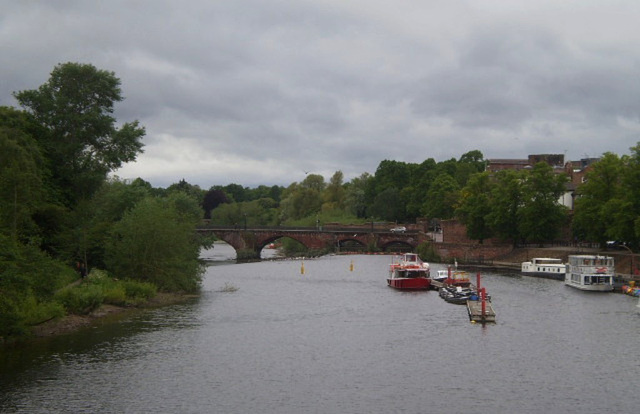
(331,229)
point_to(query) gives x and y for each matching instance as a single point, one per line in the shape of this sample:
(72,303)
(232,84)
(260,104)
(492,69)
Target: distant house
(575,170)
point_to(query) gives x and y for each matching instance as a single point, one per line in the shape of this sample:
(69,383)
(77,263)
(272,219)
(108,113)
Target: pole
(478,281)
(484,302)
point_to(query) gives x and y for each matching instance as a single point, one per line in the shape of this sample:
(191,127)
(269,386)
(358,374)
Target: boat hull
(413,283)
(591,288)
(545,275)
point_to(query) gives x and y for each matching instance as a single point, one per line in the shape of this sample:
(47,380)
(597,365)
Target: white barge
(590,272)
(546,267)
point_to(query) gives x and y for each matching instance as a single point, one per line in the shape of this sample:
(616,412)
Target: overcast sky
(261,91)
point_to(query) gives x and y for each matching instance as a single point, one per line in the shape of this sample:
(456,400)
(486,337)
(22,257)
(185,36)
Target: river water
(336,340)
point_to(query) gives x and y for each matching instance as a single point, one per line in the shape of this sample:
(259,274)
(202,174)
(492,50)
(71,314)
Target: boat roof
(546,259)
(590,256)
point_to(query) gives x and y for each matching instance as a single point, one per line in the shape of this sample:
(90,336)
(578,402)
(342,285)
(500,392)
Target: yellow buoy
(351,266)
(302,268)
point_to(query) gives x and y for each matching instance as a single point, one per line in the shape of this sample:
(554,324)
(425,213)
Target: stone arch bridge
(249,242)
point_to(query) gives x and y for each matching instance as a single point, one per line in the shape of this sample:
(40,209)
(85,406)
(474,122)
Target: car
(400,229)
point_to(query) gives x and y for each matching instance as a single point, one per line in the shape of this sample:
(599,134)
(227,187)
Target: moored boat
(409,273)
(457,278)
(590,272)
(441,275)
(546,267)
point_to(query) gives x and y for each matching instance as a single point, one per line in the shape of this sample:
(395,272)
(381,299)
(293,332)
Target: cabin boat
(546,267)
(441,275)
(409,273)
(457,278)
(590,272)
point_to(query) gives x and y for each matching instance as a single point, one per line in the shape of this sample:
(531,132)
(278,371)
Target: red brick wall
(455,232)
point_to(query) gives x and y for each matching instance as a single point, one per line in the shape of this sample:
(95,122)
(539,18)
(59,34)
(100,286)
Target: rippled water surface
(333,340)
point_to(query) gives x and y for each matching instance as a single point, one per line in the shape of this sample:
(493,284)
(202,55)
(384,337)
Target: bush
(34,312)
(427,252)
(121,292)
(80,300)
(139,291)
(115,295)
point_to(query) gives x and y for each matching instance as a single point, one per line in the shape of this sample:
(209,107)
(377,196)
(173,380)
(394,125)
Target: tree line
(61,214)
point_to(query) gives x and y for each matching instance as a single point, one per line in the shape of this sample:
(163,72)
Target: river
(338,340)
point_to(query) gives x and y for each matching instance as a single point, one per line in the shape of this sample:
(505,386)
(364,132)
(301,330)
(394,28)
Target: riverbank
(624,261)
(71,323)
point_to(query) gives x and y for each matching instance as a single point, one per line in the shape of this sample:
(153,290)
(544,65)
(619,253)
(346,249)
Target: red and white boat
(409,273)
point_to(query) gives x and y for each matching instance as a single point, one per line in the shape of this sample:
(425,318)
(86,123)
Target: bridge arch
(350,243)
(249,243)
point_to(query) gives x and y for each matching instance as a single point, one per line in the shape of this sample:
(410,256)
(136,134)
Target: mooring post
(483,294)
(478,281)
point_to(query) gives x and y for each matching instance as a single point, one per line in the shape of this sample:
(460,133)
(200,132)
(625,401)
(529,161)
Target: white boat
(590,272)
(441,276)
(546,267)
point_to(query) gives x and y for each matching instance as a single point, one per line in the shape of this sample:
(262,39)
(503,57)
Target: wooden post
(484,303)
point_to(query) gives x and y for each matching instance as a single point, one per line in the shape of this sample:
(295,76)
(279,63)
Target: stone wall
(471,253)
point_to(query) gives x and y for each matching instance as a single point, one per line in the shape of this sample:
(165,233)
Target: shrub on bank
(99,288)
(82,299)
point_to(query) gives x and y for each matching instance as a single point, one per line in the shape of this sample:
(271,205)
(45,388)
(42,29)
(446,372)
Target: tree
(154,242)
(506,201)
(475,206)
(603,184)
(542,216)
(21,182)
(334,193)
(74,108)
(388,206)
(441,197)
(212,199)
(355,199)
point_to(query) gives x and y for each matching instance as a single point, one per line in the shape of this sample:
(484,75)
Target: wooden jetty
(475,311)
(474,307)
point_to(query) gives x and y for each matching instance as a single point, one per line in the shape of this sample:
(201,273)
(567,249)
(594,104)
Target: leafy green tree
(28,280)
(212,199)
(506,201)
(192,190)
(469,164)
(631,196)
(81,142)
(235,192)
(355,198)
(21,183)
(388,206)
(91,222)
(441,198)
(334,193)
(542,216)
(154,242)
(603,185)
(304,199)
(475,206)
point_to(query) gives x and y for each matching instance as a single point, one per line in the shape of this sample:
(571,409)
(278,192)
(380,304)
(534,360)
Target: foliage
(506,200)
(441,197)
(541,216)
(82,299)
(475,206)
(81,140)
(21,178)
(154,242)
(212,199)
(121,292)
(428,253)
